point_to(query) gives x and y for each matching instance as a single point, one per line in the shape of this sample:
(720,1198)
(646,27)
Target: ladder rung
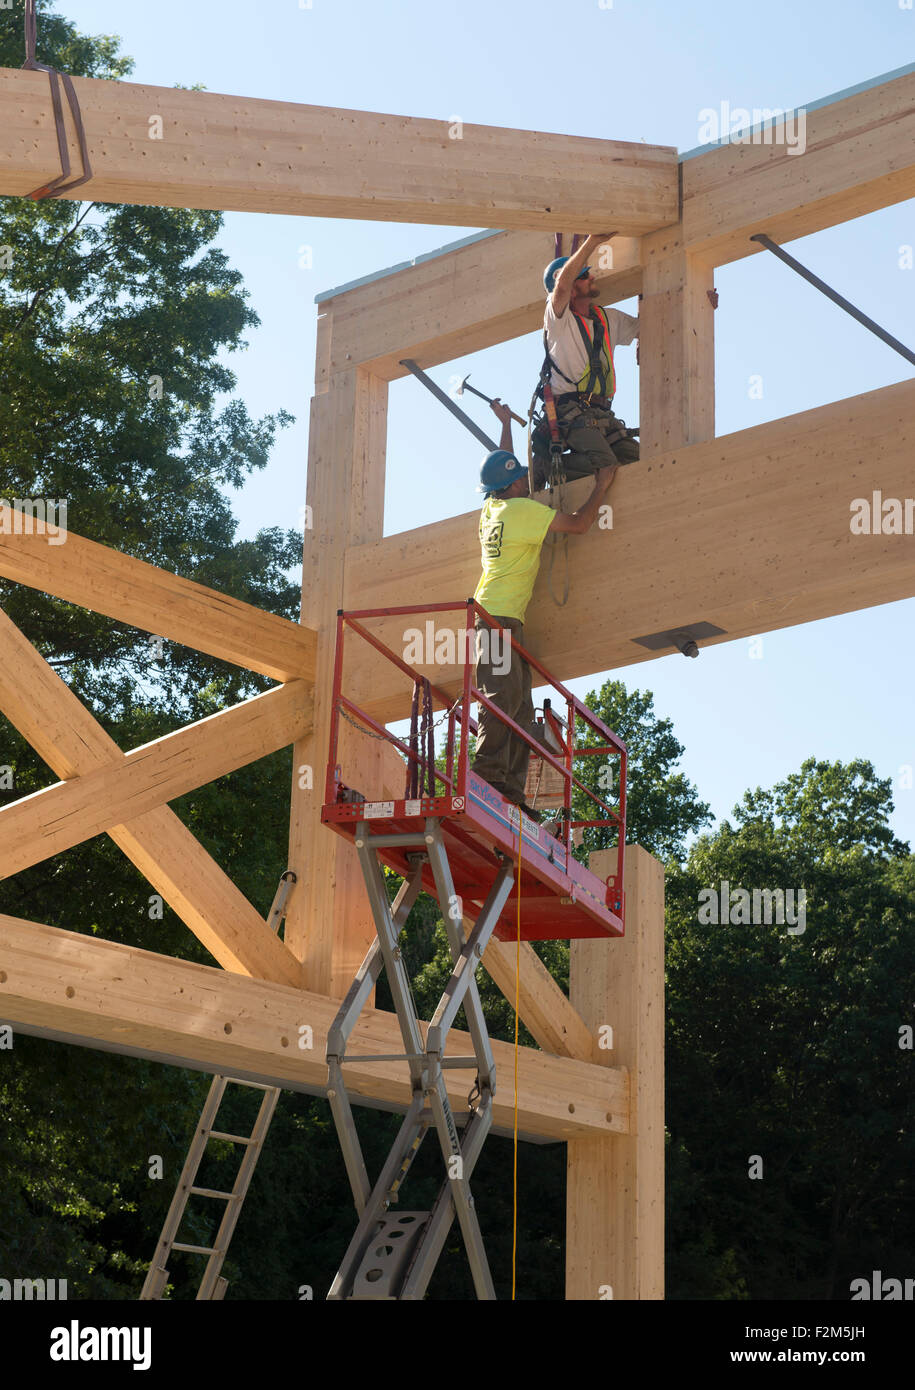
(255,1085)
(195,1249)
(232,1138)
(211,1192)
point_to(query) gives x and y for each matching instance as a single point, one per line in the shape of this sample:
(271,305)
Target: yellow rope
(517,1000)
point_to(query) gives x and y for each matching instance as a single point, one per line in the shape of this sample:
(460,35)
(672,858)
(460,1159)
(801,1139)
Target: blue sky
(630,70)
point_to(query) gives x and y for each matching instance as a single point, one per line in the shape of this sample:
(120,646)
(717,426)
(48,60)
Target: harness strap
(421,773)
(593,346)
(412,767)
(428,740)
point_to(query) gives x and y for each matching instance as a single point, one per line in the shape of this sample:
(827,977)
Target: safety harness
(599,375)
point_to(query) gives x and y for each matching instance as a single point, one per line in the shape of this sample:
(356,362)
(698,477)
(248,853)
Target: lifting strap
(557,243)
(421,769)
(55,187)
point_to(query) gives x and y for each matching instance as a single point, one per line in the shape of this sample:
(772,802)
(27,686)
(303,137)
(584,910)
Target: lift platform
(474,852)
(561,898)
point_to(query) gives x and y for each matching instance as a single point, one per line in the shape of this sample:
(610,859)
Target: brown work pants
(501,756)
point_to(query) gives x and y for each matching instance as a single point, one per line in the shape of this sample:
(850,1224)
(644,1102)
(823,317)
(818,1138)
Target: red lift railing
(455,780)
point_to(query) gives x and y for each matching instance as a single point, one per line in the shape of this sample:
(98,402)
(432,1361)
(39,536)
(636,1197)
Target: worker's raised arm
(562,289)
(577,523)
(503,413)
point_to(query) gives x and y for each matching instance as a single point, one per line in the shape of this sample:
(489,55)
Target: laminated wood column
(615,1194)
(329,925)
(676,346)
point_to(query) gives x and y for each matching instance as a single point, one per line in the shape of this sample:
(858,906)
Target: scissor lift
(454,836)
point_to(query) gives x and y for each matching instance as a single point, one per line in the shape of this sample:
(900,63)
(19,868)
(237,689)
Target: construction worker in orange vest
(579,337)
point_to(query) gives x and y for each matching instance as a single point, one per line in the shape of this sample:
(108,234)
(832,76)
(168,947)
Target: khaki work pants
(594,438)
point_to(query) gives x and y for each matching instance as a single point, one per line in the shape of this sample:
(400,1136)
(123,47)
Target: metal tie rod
(834,295)
(449,404)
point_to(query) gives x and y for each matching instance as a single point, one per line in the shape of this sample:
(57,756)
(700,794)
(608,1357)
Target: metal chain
(385,738)
(369,733)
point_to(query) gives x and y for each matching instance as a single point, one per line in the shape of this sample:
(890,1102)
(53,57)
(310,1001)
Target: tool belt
(605,402)
(574,411)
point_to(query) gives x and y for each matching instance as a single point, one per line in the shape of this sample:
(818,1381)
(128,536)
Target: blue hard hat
(498,470)
(552,270)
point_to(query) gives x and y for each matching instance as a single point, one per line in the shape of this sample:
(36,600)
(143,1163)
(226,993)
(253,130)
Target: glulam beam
(175,148)
(81,990)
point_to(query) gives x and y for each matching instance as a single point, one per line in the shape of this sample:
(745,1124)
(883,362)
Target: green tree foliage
(112,322)
(787,1045)
(96,302)
(663,807)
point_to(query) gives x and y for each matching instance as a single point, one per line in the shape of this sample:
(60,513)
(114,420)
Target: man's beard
(589,296)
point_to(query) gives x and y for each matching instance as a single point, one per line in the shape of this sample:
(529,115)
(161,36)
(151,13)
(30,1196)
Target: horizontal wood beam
(83,990)
(851,157)
(152,599)
(175,148)
(750,532)
(459,302)
(57,818)
(64,733)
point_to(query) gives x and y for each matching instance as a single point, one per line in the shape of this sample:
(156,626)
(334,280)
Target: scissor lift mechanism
(461,847)
(393,1256)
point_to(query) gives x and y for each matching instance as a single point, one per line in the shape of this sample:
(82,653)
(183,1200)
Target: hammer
(488,399)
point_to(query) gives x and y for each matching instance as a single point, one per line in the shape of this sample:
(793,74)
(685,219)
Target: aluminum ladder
(213,1285)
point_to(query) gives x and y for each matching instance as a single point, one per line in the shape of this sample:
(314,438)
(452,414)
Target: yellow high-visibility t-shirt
(512,530)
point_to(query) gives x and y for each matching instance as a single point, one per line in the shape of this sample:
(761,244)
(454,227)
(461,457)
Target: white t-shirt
(565,345)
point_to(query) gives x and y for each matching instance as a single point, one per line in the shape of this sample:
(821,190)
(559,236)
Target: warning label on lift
(374,809)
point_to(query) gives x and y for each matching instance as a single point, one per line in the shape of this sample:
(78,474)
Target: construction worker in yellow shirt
(513,527)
